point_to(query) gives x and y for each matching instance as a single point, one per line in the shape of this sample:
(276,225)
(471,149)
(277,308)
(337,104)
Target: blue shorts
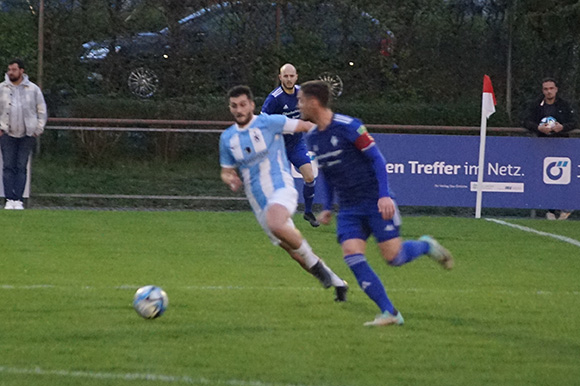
(361,222)
(298,154)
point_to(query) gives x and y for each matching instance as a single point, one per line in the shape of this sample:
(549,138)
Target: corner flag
(488,103)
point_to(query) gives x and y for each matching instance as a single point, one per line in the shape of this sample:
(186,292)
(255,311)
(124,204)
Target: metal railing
(208,126)
(167,125)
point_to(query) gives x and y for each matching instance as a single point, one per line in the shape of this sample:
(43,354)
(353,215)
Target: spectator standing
(22,120)
(551,116)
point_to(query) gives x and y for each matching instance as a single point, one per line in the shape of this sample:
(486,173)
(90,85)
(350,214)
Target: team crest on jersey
(248,150)
(334,141)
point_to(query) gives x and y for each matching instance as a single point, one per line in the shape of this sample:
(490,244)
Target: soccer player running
(254,148)
(284,100)
(354,167)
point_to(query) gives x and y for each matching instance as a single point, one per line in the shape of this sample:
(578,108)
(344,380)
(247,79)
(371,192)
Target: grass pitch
(242,313)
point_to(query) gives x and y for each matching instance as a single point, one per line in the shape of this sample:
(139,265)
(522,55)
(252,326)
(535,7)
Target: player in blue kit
(283,100)
(355,168)
(253,149)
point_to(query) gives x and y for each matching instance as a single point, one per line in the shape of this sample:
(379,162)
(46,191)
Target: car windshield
(196,15)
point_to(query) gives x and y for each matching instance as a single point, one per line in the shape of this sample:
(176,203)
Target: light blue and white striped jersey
(258,152)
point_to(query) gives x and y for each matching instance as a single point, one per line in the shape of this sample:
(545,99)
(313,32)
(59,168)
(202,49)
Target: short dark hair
(17,61)
(319,90)
(236,91)
(550,79)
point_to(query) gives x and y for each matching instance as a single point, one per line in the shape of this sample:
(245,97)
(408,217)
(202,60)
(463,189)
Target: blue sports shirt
(258,152)
(279,102)
(352,164)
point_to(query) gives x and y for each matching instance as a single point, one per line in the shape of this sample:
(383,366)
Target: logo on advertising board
(557,170)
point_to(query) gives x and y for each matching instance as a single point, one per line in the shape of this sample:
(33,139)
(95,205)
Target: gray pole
(509,75)
(39,71)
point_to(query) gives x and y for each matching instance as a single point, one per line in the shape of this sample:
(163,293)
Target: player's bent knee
(353,246)
(307,173)
(390,249)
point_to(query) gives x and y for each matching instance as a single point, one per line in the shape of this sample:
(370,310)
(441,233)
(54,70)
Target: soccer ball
(150,301)
(551,121)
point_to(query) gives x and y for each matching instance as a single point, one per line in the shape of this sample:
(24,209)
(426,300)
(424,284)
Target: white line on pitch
(254,288)
(531,230)
(136,377)
(34,286)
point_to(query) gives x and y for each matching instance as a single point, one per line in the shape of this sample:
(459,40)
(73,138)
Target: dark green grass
(242,313)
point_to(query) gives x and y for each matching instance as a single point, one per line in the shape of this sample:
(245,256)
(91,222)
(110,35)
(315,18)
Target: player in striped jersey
(283,100)
(355,168)
(253,149)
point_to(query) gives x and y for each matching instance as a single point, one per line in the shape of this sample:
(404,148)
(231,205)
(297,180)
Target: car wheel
(143,82)
(334,82)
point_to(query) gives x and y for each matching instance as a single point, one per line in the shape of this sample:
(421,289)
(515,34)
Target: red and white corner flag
(487,108)
(488,101)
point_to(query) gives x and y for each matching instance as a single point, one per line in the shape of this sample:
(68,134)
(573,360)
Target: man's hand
(230,178)
(235,183)
(557,127)
(324,217)
(304,126)
(545,128)
(386,207)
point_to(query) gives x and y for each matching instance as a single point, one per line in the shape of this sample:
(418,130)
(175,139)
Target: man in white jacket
(22,119)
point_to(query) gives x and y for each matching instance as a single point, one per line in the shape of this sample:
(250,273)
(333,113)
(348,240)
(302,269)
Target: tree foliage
(442,48)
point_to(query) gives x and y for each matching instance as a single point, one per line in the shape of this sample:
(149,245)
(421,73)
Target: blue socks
(410,250)
(369,282)
(308,193)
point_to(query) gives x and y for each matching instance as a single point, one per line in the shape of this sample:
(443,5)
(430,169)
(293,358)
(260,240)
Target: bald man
(284,100)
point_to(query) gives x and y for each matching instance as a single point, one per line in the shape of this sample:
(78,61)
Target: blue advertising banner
(520,172)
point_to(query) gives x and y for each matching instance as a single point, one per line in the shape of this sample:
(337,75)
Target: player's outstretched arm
(304,126)
(230,178)
(297,126)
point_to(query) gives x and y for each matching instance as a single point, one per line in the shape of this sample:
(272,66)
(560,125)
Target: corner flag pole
(487,108)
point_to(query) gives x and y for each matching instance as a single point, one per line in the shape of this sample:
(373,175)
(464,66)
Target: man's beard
(246,119)
(14,78)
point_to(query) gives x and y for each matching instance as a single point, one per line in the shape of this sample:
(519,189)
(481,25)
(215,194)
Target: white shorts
(288,198)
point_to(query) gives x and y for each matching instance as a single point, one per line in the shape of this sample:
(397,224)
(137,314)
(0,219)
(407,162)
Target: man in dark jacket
(550,105)
(551,116)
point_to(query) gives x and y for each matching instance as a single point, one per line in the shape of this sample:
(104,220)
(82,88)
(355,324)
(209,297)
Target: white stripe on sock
(306,253)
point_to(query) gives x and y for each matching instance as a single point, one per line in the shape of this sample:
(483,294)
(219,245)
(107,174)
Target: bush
(18,31)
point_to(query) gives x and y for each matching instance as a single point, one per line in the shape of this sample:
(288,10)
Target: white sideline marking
(231,287)
(34,286)
(531,230)
(137,377)
(254,288)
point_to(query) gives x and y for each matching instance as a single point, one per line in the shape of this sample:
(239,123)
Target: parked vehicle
(245,42)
